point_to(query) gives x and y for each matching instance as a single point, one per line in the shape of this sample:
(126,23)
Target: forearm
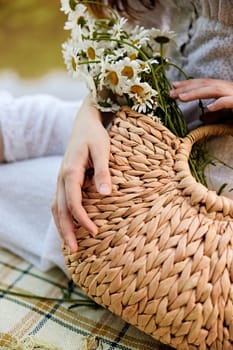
(35,125)
(89,114)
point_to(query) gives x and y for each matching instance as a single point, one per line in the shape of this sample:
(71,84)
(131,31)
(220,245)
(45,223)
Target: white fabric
(26,227)
(36,125)
(35,131)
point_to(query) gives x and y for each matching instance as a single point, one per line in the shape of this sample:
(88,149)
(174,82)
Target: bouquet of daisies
(125,65)
(121,64)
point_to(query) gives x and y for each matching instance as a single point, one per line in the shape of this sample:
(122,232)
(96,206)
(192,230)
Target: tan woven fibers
(163,257)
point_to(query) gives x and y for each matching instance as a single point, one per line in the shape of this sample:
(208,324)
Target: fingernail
(70,246)
(94,232)
(172,93)
(211,106)
(176,83)
(104,189)
(73,250)
(184,96)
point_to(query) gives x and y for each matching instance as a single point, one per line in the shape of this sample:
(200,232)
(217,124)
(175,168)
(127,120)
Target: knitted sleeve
(35,125)
(220,11)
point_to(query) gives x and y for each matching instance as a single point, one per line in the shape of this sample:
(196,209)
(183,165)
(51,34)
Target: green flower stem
(87,62)
(161,53)
(222,162)
(198,174)
(173,117)
(80,302)
(179,69)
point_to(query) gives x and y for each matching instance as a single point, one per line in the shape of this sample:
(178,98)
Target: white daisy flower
(65,6)
(139,35)
(76,18)
(143,96)
(73,56)
(140,89)
(80,22)
(106,105)
(130,68)
(113,80)
(154,116)
(145,107)
(115,60)
(110,77)
(91,49)
(157,37)
(90,56)
(77,34)
(115,74)
(161,36)
(145,66)
(118,31)
(70,52)
(117,53)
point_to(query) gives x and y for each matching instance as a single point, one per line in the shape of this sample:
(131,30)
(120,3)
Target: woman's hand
(221,90)
(88,146)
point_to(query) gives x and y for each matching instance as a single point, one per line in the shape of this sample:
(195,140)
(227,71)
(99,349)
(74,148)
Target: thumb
(102,177)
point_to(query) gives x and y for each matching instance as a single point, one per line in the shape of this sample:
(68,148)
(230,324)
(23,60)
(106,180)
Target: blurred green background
(31,35)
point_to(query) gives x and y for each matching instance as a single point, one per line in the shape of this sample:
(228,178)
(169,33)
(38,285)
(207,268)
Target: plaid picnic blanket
(28,323)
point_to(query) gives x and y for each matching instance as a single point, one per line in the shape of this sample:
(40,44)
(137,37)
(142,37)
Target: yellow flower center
(113,78)
(133,56)
(127,72)
(73,63)
(137,89)
(91,53)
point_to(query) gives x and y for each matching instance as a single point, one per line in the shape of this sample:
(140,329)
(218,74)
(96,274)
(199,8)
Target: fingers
(67,205)
(196,93)
(188,90)
(88,143)
(64,220)
(100,158)
(73,189)
(221,103)
(222,86)
(68,201)
(98,154)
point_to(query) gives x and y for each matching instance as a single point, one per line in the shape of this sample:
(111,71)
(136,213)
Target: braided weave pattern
(163,257)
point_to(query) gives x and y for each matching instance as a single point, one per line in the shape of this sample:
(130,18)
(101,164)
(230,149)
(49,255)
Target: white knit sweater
(204,35)
(204,41)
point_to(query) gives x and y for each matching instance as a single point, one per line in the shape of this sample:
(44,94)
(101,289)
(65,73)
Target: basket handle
(206,131)
(198,192)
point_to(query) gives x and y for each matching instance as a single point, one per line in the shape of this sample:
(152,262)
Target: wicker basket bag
(163,257)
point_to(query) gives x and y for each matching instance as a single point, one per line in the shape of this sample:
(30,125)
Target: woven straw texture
(163,257)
